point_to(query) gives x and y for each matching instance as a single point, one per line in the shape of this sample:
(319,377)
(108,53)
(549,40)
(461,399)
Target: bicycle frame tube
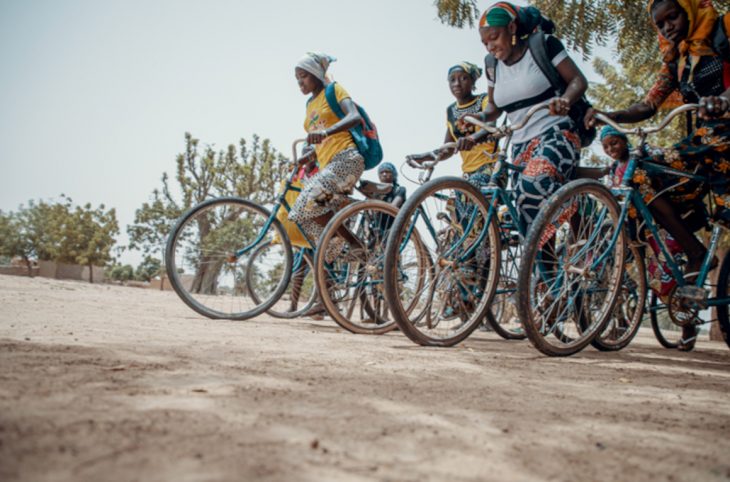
(280,202)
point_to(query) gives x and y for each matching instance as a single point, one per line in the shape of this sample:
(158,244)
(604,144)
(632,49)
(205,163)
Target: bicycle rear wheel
(207,255)
(301,293)
(665,330)
(502,315)
(628,312)
(461,244)
(571,271)
(351,284)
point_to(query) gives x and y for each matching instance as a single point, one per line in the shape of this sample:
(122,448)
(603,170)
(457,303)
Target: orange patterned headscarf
(702,17)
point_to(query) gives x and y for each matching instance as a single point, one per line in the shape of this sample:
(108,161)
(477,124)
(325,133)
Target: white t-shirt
(524,81)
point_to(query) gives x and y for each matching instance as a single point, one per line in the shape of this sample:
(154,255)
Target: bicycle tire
(204,240)
(451,279)
(555,218)
(721,291)
(659,315)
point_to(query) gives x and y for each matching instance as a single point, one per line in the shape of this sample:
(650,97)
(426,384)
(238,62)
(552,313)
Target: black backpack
(537,44)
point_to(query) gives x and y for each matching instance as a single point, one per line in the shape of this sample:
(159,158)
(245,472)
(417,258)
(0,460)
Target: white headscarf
(316,64)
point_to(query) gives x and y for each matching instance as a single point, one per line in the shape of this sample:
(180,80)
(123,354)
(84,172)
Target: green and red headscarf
(502,14)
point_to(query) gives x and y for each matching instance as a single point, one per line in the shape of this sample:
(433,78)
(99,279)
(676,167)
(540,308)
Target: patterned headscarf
(502,14)
(316,64)
(471,70)
(387,166)
(702,17)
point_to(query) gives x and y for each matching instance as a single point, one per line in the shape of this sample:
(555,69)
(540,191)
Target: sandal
(689,337)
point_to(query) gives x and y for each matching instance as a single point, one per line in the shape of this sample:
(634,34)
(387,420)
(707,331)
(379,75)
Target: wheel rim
(210,273)
(576,272)
(450,219)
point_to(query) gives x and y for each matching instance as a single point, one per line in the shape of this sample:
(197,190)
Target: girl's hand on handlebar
(590,119)
(316,137)
(711,107)
(445,153)
(559,106)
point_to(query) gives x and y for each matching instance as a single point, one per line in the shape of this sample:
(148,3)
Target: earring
(514,39)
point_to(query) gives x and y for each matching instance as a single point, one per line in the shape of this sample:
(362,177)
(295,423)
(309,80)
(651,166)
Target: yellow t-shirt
(320,117)
(481,154)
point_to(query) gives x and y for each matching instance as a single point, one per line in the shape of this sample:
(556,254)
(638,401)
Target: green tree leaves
(252,171)
(59,232)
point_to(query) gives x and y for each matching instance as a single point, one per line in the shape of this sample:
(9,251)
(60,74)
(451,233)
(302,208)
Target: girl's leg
(666,215)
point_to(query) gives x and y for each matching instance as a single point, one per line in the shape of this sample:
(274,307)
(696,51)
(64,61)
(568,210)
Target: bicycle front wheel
(301,293)
(571,270)
(461,245)
(207,257)
(349,272)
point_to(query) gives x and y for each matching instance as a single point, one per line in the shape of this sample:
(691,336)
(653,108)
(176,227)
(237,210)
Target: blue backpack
(365,135)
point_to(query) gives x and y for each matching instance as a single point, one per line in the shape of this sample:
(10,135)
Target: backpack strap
(490,67)
(331,96)
(537,43)
(720,43)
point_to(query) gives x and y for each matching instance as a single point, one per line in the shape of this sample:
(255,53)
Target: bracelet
(325,133)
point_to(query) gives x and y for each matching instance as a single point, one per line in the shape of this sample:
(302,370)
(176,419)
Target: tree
(253,171)
(12,242)
(58,232)
(119,272)
(88,237)
(148,269)
(33,232)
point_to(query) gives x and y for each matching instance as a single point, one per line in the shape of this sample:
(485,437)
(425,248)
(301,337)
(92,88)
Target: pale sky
(96,95)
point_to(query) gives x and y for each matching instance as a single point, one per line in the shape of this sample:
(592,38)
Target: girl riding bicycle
(695,68)
(340,163)
(548,147)
(476,162)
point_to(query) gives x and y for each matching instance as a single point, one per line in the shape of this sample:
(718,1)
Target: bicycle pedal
(694,294)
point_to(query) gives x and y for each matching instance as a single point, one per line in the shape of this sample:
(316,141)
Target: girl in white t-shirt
(548,147)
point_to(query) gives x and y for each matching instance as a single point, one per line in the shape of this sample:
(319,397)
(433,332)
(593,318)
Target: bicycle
(460,226)
(230,258)
(573,267)
(352,283)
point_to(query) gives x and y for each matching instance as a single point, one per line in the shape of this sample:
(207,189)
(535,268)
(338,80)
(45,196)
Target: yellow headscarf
(702,17)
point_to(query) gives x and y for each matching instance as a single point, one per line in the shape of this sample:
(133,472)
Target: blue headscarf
(387,166)
(609,131)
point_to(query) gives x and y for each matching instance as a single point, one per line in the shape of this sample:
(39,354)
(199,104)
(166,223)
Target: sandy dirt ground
(110,383)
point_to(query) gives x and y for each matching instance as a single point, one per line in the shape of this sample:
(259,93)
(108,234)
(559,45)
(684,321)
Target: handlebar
(642,131)
(430,164)
(294,145)
(507,130)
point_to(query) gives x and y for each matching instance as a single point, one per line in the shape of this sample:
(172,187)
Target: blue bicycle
(474,244)
(230,258)
(579,249)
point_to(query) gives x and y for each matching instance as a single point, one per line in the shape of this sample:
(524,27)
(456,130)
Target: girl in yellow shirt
(476,163)
(340,163)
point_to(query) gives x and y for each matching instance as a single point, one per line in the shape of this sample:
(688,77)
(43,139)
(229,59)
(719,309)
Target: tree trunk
(91,273)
